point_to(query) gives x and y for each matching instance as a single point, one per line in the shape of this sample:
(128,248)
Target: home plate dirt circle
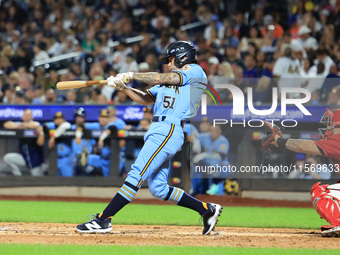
(54,233)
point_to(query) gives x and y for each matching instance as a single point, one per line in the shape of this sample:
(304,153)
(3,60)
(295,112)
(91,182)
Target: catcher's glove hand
(271,131)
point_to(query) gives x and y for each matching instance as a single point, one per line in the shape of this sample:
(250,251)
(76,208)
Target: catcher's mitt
(271,131)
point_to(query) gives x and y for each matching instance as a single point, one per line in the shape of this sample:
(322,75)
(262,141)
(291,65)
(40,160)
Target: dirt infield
(52,233)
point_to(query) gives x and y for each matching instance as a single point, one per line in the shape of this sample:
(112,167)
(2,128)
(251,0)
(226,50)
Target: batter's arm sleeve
(138,96)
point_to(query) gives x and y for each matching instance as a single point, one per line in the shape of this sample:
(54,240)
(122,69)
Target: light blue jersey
(173,104)
(180,101)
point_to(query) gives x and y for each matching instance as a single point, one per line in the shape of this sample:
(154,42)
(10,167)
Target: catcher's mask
(330,119)
(183,51)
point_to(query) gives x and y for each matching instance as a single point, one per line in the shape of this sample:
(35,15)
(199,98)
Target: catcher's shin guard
(326,205)
(317,190)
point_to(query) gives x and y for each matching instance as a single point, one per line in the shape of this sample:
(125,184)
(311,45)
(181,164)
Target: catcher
(325,198)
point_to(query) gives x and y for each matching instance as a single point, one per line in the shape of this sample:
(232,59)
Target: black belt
(162,118)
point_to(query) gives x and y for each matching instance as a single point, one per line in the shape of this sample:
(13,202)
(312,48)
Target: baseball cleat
(210,217)
(333,232)
(95,226)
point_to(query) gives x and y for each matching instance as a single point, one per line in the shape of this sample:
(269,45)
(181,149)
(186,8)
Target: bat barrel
(78,84)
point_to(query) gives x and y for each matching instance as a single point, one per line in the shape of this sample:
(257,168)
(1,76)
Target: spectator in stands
(314,169)
(239,81)
(21,58)
(20,98)
(254,36)
(286,68)
(67,46)
(53,78)
(309,167)
(308,42)
(70,97)
(90,44)
(232,57)
(268,44)
(299,166)
(229,38)
(322,56)
(160,21)
(5,65)
(262,93)
(145,26)
(332,79)
(130,64)
(121,98)
(119,55)
(40,77)
(214,40)
(50,97)
(102,100)
(40,52)
(213,69)
(334,98)
(240,27)
(250,63)
(8,97)
(31,156)
(105,66)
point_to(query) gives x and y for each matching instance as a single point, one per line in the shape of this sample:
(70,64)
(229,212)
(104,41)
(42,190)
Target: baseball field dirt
(54,233)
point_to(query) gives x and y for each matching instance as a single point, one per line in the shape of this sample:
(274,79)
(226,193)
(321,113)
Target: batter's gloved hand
(126,77)
(116,82)
(271,130)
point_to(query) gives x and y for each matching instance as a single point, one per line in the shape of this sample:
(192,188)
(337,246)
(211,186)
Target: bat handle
(90,83)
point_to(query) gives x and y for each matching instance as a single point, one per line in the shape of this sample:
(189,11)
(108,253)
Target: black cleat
(95,226)
(210,217)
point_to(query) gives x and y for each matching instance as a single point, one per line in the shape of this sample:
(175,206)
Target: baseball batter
(175,97)
(325,198)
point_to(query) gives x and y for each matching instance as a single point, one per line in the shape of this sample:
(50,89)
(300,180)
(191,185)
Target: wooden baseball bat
(62,85)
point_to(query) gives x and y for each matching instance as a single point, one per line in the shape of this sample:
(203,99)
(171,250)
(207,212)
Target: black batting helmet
(80,112)
(179,50)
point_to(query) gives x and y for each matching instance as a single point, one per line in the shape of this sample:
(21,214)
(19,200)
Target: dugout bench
(180,175)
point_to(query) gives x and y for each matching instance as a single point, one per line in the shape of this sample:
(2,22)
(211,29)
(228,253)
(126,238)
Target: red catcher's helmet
(331,119)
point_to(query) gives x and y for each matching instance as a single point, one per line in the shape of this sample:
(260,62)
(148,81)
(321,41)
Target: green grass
(73,212)
(17,249)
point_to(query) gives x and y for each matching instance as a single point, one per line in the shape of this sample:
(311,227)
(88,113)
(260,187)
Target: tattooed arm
(153,78)
(300,145)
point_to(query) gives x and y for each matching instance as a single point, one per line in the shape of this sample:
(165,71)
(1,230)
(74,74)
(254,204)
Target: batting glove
(116,82)
(128,76)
